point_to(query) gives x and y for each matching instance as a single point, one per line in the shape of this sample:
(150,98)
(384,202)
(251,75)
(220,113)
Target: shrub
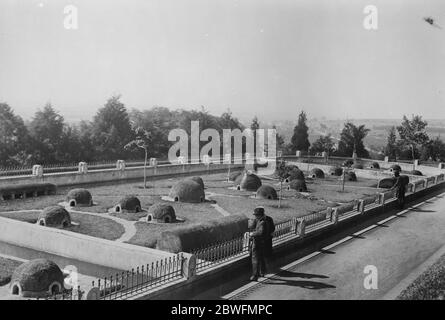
(198,235)
(187,191)
(267,192)
(347,163)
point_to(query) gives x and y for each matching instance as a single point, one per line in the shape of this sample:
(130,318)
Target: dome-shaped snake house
(335,171)
(395,167)
(129,204)
(351,176)
(79,198)
(234,175)
(198,180)
(162,213)
(248,182)
(416,173)
(55,217)
(187,191)
(386,183)
(375,165)
(295,174)
(299,185)
(267,192)
(317,173)
(36,278)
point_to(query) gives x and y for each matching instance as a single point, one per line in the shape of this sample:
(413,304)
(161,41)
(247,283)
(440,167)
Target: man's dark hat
(258,211)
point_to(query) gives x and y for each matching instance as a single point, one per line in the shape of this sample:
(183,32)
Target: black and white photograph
(223,155)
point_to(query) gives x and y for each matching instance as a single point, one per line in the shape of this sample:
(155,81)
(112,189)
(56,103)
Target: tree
(282,173)
(280,144)
(434,149)
(300,138)
(412,133)
(112,129)
(351,140)
(324,144)
(391,149)
(47,131)
(143,141)
(14,138)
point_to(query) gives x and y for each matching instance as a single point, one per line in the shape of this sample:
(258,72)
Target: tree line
(118,133)
(48,139)
(407,141)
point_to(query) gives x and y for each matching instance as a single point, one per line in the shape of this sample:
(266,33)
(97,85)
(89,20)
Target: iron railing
(146,277)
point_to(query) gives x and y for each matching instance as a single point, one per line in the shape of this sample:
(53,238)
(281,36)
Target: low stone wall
(110,175)
(77,246)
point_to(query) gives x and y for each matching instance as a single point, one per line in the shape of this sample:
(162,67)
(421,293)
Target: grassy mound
(198,235)
(130,203)
(187,191)
(55,217)
(335,171)
(267,192)
(317,173)
(351,176)
(82,197)
(299,185)
(198,180)
(249,181)
(161,212)
(375,165)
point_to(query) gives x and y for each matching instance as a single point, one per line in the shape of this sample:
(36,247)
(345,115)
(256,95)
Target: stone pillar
(37,170)
(301,227)
(188,265)
(441,165)
(416,164)
(83,167)
(354,156)
(386,159)
(334,217)
(361,206)
(425,183)
(329,213)
(279,154)
(120,165)
(153,162)
(381,198)
(298,153)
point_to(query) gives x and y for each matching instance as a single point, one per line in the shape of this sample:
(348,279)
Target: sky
(269,58)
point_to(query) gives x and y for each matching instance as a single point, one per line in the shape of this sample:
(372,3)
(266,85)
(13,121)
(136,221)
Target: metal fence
(146,277)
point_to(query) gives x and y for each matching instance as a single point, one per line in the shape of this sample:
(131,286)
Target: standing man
(399,186)
(261,242)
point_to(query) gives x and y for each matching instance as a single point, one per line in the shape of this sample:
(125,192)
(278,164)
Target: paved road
(397,246)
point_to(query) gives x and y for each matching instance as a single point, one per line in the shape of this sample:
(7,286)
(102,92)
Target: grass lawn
(430,285)
(88,224)
(322,193)
(7,267)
